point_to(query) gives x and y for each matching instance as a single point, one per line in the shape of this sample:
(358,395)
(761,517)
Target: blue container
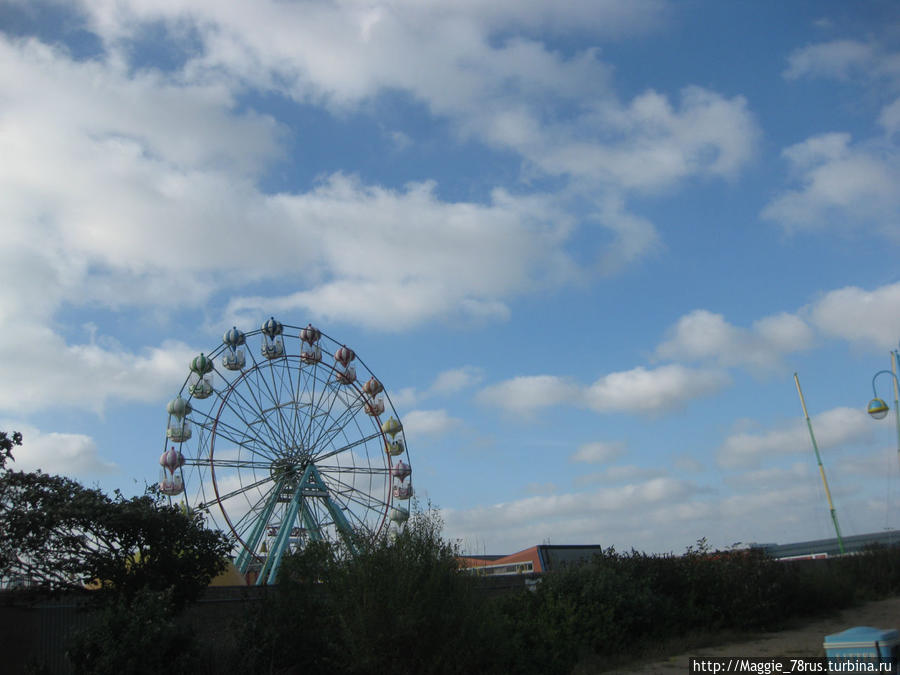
(863,642)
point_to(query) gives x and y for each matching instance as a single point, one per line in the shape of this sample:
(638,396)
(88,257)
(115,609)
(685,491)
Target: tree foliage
(6,445)
(57,534)
(397,605)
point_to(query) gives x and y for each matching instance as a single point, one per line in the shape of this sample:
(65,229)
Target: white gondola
(313,355)
(395,448)
(399,515)
(234,360)
(171,486)
(347,376)
(201,389)
(401,470)
(403,491)
(273,349)
(375,407)
(373,387)
(178,432)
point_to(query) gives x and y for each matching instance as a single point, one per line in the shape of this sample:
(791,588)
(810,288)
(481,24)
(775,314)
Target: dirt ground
(802,641)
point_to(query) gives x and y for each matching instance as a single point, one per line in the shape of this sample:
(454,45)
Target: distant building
(534,560)
(825,548)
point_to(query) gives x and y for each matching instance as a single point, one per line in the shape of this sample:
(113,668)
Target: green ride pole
(812,436)
(896,396)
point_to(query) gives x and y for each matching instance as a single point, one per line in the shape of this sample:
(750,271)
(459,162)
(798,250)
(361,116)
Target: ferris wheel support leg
(313,479)
(312,527)
(246,555)
(269,571)
(343,525)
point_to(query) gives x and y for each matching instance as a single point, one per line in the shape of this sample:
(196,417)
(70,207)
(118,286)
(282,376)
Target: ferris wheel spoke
(320,403)
(241,490)
(351,494)
(351,491)
(339,423)
(257,406)
(277,404)
(335,392)
(255,510)
(375,471)
(299,405)
(356,443)
(258,423)
(231,464)
(218,424)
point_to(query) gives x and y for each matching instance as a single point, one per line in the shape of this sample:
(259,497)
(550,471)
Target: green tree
(398,605)
(60,535)
(6,445)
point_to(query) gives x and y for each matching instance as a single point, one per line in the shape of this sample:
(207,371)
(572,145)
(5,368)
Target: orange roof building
(534,560)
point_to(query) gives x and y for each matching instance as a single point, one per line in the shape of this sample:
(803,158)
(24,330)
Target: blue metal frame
(310,486)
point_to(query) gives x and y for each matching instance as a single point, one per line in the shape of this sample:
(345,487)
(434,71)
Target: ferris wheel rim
(212,462)
(359,485)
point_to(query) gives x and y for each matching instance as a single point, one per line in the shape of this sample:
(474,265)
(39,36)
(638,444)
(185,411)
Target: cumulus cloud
(598,516)
(146,193)
(836,59)
(839,184)
(429,423)
(832,428)
(844,60)
(446,383)
(858,315)
(656,515)
(455,380)
(643,390)
(618,474)
(116,205)
(59,453)
(598,452)
(639,390)
(702,335)
(528,393)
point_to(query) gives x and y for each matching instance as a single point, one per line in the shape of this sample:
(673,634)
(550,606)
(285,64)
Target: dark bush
(397,605)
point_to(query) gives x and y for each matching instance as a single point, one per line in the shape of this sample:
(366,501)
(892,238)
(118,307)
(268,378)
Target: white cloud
(429,423)
(48,372)
(838,59)
(455,380)
(353,236)
(617,474)
(510,91)
(446,383)
(528,393)
(598,452)
(840,185)
(585,517)
(643,390)
(73,455)
(656,144)
(549,508)
(858,315)
(844,60)
(772,477)
(704,335)
(115,205)
(638,390)
(832,428)
(890,118)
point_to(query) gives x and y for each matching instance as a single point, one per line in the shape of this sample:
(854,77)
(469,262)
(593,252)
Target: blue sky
(585,247)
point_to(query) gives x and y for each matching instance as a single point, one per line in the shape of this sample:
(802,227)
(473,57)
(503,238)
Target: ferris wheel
(284,436)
